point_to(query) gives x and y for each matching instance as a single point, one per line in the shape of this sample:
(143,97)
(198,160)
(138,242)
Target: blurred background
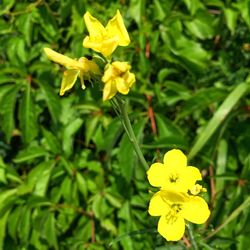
(69,178)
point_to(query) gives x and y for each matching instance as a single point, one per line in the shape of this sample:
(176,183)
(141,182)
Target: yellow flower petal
(157,175)
(193,173)
(121,86)
(61,59)
(96,46)
(108,73)
(69,79)
(172,196)
(95,28)
(109,90)
(196,210)
(121,66)
(129,78)
(171,230)
(189,176)
(117,73)
(157,206)
(109,45)
(175,158)
(116,27)
(89,67)
(105,40)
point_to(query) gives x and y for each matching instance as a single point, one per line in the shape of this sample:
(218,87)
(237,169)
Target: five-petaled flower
(82,68)
(117,77)
(173,174)
(105,39)
(174,208)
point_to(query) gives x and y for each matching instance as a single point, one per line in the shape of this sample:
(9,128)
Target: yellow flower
(82,68)
(173,174)
(117,77)
(174,208)
(105,40)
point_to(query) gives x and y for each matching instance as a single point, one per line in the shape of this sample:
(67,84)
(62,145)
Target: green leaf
(166,128)
(7,198)
(160,13)
(3,224)
(24,24)
(243,242)
(188,53)
(7,79)
(219,116)
(221,168)
(5,28)
(91,125)
(111,135)
(232,216)
(38,201)
(66,189)
(30,153)
(109,225)
(17,51)
(52,141)
(113,200)
(200,100)
(126,155)
(7,111)
(82,185)
(13,221)
(231,16)
(3,176)
(24,225)
(169,135)
(136,10)
(6,6)
(194,5)
(50,231)
(49,26)
(100,206)
(42,183)
(27,116)
(38,178)
(51,99)
(170,142)
(244,8)
(68,135)
(202,25)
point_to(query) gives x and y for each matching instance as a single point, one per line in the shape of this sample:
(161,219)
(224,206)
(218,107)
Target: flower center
(173,178)
(173,214)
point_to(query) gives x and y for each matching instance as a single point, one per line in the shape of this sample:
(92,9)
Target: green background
(69,178)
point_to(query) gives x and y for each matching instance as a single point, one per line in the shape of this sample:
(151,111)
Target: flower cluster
(116,76)
(177,199)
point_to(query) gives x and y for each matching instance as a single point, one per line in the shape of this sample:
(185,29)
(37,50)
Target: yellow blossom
(82,68)
(105,39)
(196,189)
(174,208)
(117,78)
(173,174)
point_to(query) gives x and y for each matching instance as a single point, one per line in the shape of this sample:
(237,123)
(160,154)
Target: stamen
(172,216)
(173,178)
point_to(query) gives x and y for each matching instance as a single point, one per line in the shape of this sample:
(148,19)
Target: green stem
(191,237)
(120,104)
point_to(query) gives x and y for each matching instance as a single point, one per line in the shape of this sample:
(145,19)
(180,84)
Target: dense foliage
(69,178)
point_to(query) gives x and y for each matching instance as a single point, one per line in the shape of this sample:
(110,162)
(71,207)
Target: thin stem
(117,111)
(121,105)
(191,237)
